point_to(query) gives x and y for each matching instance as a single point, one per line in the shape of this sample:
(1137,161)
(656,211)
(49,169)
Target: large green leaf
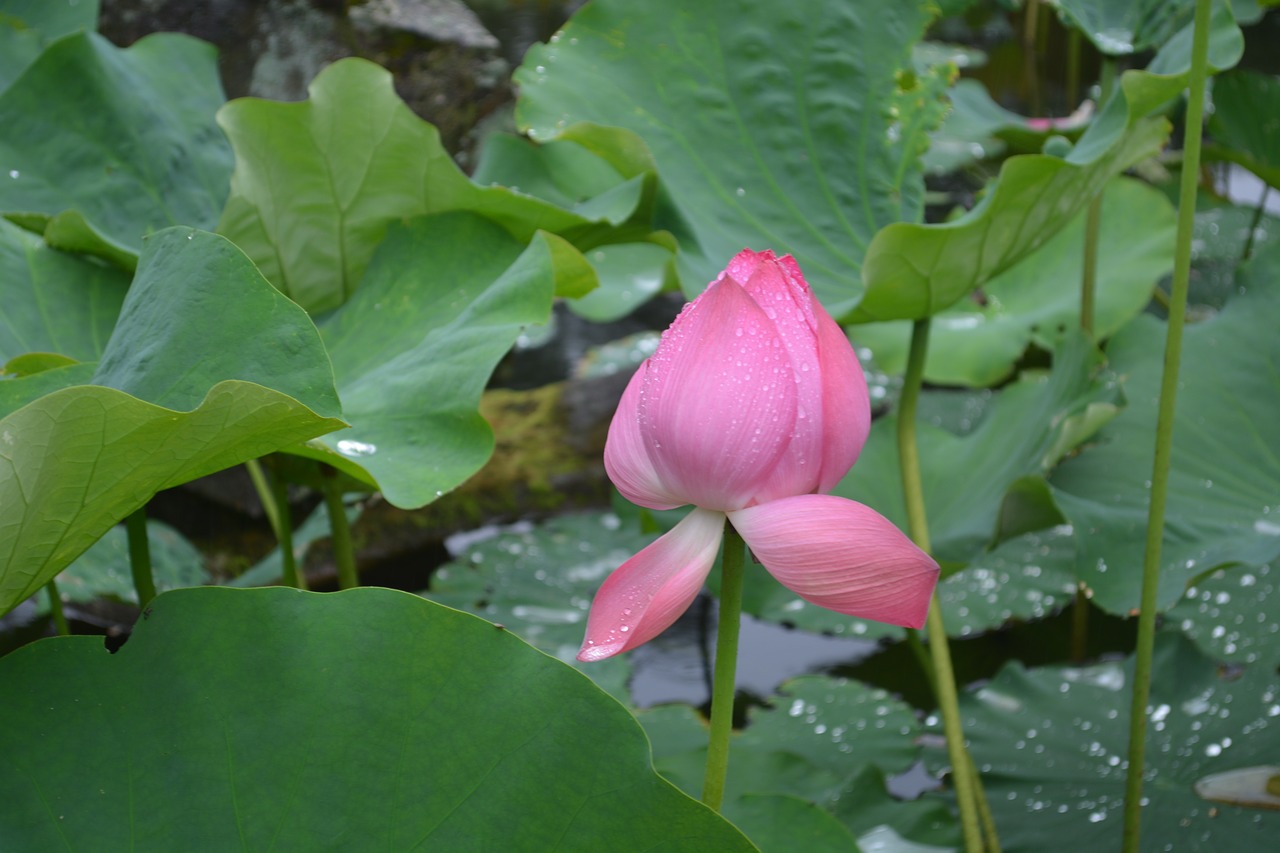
(977,343)
(443,300)
(1122,27)
(915,271)
(1051,745)
(188,395)
(104,145)
(54,302)
(561,172)
(274,719)
(27,27)
(317,183)
(1246,122)
(769,122)
(1225,475)
(176,337)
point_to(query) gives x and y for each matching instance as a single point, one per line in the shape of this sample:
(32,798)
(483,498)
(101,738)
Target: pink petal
(846,416)
(841,555)
(644,596)
(717,406)
(625,458)
(782,294)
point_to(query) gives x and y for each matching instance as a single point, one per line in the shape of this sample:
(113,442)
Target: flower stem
(140,556)
(1093,218)
(344,555)
(964,777)
(722,692)
(290,576)
(1164,431)
(273,494)
(55,609)
(259,479)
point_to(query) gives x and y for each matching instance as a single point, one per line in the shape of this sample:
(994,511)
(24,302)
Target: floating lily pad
(978,342)
(1226,452)
(443,300)
(104,570)
(1052,745)
(826,741)
(187,397)
(780,823)
(317,183)
(769,122)
(104,145)
(538,582)
(448,735)
(1232,614)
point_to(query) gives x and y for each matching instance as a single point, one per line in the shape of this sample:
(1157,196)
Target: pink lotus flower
(753,407)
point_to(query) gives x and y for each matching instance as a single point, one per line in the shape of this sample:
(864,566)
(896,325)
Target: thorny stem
(964,776)
(1164,432)
(722,693)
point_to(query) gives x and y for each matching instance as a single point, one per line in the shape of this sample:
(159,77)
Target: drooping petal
(647,593)
(625,458)
(846,414)
(717,405)
(841,555)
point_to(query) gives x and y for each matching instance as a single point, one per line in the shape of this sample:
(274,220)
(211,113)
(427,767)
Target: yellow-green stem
(55,609)
(273,494)
(344,556)
(140,556)
(1164,432)
(259,479)
(722,693)
(964,778)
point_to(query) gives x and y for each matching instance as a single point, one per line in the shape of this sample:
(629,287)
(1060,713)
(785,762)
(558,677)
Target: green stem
(260,485)
(964,776)
(1164,432)
(1073,68)
(140,556)
(273,494)
(55,609)
(290,576)
(1253,225)
(726,666)
(344,555)
(1093,219)
(1080,624)
(918,649)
